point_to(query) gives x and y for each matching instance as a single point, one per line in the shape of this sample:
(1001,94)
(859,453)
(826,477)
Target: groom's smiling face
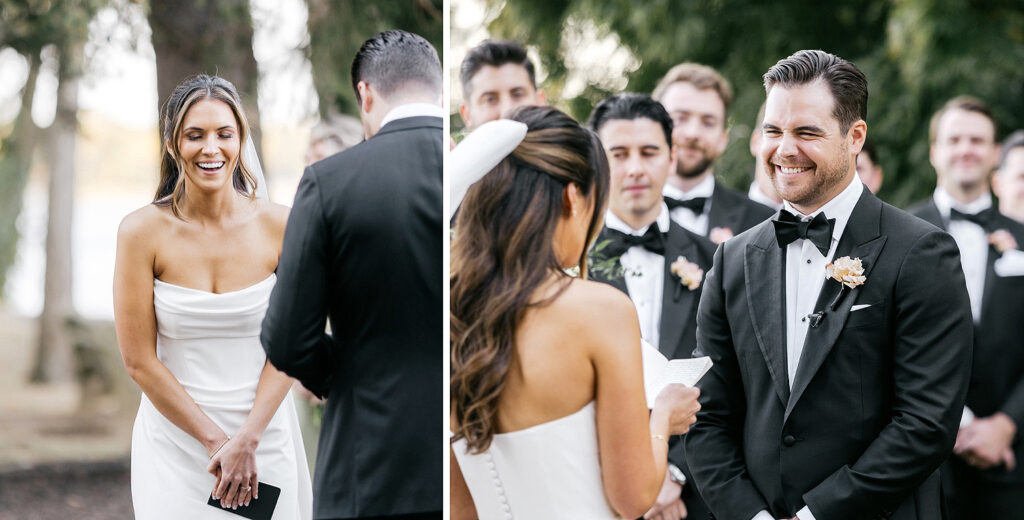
(804,151)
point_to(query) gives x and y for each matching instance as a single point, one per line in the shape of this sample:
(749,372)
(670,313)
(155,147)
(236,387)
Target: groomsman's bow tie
(696,204)
(982,218)
(652,241)
(818,230)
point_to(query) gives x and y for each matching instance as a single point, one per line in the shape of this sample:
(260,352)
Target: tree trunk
(206,37)
(15,162)
(54,361)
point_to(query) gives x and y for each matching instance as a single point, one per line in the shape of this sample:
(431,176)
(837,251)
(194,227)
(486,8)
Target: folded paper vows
(660,372)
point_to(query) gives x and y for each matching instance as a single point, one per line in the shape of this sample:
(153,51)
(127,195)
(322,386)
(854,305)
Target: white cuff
(966,418)
(763,515)
(805,514)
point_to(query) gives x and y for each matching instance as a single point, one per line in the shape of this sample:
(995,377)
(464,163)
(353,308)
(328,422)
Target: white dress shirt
(805,275)
(412,110)
(695,223)
(644,272)
(755,194)
(972,241)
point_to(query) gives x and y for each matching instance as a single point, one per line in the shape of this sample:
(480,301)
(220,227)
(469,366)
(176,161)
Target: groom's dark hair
(847,83)
(395,60)
(630,106)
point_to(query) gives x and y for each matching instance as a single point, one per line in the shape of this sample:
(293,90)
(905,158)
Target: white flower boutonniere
(1002,240)
(847,271)
(689,273)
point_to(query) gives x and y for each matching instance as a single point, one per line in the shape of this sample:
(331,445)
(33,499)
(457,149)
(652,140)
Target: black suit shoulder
(705,247)
(753,212)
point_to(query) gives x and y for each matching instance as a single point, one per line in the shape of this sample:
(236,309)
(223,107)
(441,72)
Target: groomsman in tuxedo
(645,255)
(496,77)
(363,247)
(828,400)
(984,479)
(698,97)
(1008,183)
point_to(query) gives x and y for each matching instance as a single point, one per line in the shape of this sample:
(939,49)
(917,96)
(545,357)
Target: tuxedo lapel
(861,239)
(723,214)
(764,272)
(676,301)
(990,277)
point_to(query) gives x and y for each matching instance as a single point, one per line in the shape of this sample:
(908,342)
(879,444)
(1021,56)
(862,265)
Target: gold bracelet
(219,447)
(660,437)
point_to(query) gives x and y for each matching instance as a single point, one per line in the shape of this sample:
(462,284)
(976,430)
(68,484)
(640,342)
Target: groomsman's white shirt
(972,241)
(644,272)
(805,275)
(755,194)
(412,110)
(695,223)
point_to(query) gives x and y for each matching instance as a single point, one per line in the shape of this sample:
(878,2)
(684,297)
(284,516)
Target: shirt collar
(840,207)
(755,194)
(944,201)
(705,189)
(616,223)
(412,110)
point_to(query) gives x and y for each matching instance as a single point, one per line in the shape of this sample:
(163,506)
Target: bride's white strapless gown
(549,471)
(210,342)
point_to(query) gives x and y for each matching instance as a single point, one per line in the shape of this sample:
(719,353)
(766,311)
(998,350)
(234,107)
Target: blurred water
(94,240)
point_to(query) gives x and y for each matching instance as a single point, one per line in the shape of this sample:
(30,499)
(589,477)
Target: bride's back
(552,373)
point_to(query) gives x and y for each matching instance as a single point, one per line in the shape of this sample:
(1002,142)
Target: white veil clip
(479,153)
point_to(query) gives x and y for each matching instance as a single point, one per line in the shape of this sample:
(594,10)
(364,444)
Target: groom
(828,401)
(363,247)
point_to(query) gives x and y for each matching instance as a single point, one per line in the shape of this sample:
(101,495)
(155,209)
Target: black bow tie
(982,218)
(696,204)
(652,241)
(818,230)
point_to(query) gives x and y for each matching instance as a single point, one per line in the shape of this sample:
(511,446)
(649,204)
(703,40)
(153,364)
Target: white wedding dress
(210,342)
(549,471)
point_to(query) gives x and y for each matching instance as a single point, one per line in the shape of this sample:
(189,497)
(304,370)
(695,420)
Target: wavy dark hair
(504,250)
(171,190)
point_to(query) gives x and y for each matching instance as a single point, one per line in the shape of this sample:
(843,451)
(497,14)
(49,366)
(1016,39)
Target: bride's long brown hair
(504,250)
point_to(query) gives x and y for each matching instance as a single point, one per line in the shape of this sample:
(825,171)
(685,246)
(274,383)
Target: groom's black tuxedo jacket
(363,247)
(678,330)
(997,373)
(875,404)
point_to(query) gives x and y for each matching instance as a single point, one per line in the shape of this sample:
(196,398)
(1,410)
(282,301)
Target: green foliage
(916,53)
(337,28)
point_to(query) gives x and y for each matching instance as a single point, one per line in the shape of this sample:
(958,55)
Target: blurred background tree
(337,28)
(916,53)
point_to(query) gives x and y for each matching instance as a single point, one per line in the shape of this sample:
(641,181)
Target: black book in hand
(261,508)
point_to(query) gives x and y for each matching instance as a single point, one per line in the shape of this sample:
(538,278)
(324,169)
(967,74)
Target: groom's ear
(365,97)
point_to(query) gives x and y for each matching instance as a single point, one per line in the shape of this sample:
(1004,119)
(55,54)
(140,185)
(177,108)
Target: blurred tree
(337,28)
(916,54)
(31,28)
(205,36)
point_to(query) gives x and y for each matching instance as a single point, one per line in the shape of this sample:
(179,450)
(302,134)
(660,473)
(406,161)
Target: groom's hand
(668,506)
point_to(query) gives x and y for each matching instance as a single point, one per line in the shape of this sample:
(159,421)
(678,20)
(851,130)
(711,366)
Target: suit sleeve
(293,333)
(932,344)
(713,445)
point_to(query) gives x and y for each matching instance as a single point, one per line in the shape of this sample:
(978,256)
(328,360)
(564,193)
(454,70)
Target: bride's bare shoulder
(595,306)
(145,223)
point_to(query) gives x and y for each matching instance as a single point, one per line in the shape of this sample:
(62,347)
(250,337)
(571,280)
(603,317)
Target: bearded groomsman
(984,479)
(840,330)
(697,98)
(658,263)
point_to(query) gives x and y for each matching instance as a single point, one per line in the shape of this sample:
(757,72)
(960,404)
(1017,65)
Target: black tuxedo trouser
(418,516)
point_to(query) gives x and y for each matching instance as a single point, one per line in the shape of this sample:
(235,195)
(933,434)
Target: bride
(548,408)
(192,278)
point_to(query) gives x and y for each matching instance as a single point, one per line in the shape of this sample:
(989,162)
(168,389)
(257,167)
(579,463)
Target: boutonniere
(847,271)
(689,273)
(1002,240)
(720,234)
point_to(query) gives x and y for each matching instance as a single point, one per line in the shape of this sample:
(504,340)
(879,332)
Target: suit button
(789,440)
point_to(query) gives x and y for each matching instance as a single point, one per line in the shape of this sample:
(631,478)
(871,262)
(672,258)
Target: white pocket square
(859,307)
